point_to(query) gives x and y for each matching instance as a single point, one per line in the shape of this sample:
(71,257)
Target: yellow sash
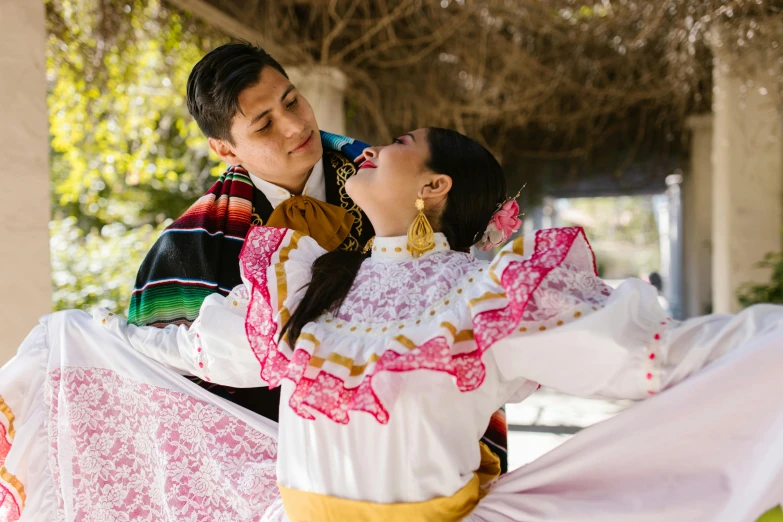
(328,224)
(301,506)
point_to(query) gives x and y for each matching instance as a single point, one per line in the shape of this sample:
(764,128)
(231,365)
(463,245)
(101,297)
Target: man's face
(275,135)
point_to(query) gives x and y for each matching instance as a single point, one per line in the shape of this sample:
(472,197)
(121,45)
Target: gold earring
(421,238)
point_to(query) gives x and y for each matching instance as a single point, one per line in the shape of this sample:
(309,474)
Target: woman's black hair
(478,187)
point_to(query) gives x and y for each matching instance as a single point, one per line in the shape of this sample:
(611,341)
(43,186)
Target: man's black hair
(217,79)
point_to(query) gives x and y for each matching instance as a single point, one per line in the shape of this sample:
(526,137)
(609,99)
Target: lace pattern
(556,279)
(537,292)
(145,453)
(383,293)
(10,508)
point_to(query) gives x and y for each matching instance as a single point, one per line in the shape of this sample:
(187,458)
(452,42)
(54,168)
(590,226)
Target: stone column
(697,219)
(748,174)
(25,280)
(324,87)
(673,288)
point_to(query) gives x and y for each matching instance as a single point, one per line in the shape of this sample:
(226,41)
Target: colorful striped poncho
(198,254)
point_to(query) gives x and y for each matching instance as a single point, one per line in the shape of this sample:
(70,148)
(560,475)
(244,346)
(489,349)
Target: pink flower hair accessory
(502,225)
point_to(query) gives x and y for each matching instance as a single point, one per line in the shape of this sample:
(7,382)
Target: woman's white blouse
(385,399)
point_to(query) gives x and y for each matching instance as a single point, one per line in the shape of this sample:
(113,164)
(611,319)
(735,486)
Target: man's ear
(437,189)
(224,150)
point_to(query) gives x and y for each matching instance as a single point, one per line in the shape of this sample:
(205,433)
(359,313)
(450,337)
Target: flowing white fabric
(101,432)
(468,336)
(708,449)
(390,411)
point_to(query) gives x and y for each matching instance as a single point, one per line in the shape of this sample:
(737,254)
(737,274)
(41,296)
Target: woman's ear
(437,189)
(224,151)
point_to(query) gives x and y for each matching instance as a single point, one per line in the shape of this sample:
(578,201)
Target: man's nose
(293,125)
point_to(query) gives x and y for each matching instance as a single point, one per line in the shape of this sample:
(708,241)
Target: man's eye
(292,104)
(265,127)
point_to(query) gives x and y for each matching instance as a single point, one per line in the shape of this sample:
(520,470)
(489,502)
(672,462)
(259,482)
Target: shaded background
(655,125)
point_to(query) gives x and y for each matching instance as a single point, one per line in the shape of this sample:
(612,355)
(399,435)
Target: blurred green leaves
(125,154)
(770,292)
(98,267)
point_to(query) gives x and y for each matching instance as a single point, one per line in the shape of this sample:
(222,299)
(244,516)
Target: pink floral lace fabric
(554,279)
(10,511)
(386,292)
(143,453)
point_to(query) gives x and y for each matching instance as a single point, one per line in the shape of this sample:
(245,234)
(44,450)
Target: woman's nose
(369,153)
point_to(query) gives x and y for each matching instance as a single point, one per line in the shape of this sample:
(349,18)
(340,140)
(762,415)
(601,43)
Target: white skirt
(91,430)
(708,449)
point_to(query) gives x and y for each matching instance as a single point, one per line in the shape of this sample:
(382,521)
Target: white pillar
(748,175)
(697,216)
(324,87)
(25,281)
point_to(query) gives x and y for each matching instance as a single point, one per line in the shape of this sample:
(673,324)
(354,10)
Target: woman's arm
(214,348)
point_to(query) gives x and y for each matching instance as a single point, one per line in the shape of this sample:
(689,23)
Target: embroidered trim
(328,393)
(12,494)
(429,315)
(345,169)
(9,420)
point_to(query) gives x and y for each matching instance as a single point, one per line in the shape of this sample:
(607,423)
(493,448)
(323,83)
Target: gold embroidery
(309,337)
(517,247)
(407,343)
(358,370)
(255,219)
(345,362)
(8,414)
(282,285)
(462,335)
(345,169)
(340,359)
(14,482)
(486,296)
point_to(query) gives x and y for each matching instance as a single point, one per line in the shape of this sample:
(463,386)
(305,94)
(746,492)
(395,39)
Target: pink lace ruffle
(329,395)
(10,511)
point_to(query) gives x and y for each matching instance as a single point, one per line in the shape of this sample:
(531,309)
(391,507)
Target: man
(254,119)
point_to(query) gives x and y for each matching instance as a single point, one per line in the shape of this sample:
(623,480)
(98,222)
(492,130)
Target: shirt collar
(315,186)
(395,248)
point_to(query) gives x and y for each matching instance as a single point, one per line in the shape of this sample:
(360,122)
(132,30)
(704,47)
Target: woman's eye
(399,140)
(292,104)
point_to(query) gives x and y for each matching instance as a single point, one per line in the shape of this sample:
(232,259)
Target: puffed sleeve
(214,348)
(228,342)
(549,318)
(276,266)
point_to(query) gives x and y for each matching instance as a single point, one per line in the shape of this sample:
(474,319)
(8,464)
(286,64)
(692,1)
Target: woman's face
(391,178)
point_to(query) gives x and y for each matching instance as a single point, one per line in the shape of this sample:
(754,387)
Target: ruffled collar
(395,248)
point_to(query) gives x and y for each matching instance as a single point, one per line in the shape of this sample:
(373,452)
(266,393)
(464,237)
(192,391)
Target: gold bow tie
(328,224)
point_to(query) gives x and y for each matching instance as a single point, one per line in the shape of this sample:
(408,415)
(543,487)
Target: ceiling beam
(228,25)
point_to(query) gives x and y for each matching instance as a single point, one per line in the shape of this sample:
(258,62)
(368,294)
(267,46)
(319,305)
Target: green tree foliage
(125,154)
(771,292)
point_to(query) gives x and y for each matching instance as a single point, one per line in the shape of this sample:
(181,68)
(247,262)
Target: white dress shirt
(315,186)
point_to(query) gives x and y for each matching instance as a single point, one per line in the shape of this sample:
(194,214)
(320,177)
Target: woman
(391,364)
